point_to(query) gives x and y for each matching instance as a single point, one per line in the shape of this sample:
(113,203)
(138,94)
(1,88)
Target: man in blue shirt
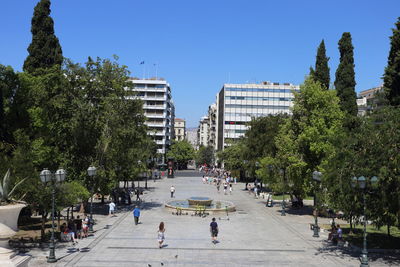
(136,215)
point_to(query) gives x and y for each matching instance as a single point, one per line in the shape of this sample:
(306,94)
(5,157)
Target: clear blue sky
(199,45)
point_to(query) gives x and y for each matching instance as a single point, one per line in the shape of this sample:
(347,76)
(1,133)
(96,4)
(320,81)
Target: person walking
(225,187)
(138,195)
(230,189)
(172,191)
(160,235)
(111,208)
(214,231)
(136,214)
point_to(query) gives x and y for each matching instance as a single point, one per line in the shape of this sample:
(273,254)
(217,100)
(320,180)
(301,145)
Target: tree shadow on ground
(387,257)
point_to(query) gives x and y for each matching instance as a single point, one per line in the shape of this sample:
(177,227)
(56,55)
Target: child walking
(161,237)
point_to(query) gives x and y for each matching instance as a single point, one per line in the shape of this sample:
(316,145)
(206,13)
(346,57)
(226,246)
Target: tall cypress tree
(321,72)
(391,78)
(345,77)
(45,50)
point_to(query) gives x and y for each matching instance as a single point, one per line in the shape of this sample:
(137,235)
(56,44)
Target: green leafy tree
(232,156)
(205,155)
(45,50)
(345,76)
(181,152)
(307,138)
(9,106)
(321,72)
(259,140)
(391,77)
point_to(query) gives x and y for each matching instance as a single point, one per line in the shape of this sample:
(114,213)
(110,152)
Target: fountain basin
(202,201)
(215,206)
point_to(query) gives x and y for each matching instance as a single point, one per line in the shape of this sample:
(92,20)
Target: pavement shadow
(387,257)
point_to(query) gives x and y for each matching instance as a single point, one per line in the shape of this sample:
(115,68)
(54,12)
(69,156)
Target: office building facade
(237,104)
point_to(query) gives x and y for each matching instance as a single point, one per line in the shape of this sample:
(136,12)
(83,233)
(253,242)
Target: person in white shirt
(112,208)
(172,191)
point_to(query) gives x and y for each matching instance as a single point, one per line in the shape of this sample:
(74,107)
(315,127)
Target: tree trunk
(388,230)
(42,230)
(72,212)
(82,208)
(102,199)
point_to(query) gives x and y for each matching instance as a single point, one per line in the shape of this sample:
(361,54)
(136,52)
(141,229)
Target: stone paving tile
(253,236)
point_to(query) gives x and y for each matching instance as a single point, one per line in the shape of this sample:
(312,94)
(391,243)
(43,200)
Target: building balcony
(155,124)
(154,98)
(156,116)
(160,142)
(158,107)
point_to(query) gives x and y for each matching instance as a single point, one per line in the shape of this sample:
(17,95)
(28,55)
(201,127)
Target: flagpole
(156,70)
(144,72)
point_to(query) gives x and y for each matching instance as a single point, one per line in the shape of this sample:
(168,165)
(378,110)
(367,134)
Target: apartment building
(203,131)
(180,129)
(237,104)
(159,109)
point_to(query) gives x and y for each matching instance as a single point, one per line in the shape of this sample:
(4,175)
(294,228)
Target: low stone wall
(9,215)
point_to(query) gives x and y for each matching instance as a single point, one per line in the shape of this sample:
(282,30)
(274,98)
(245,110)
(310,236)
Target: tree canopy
(321,72)
(345,82)
(181,152)
(45,50)
(391,77)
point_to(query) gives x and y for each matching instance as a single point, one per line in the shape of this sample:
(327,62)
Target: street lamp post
(46,176)
(91,172)
(361,182)
(139,176)
(317,178)
(283,211)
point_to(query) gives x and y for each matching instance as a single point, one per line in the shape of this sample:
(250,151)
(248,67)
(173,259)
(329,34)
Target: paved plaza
(254,235)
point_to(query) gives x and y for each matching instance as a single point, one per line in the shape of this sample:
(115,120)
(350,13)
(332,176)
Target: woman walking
(161,237)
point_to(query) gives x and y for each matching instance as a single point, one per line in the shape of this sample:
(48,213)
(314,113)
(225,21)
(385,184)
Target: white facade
(180,129)
(237,104)
(203,131)
(159,109)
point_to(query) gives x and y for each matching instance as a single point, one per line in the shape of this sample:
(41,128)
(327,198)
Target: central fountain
(193,203)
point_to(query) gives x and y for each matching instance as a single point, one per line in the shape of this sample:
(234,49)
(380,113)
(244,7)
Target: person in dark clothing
(214,231)
(78,223)
(138,194)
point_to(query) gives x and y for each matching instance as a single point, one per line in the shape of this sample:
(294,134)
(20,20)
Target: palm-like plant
(5,187)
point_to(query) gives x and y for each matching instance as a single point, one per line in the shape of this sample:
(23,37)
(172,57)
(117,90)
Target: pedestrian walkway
(253,236)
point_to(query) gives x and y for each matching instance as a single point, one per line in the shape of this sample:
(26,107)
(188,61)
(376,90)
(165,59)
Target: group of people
(76,228)
(225,180)
(336,233)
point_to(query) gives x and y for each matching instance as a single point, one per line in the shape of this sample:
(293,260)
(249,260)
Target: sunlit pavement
(254,235)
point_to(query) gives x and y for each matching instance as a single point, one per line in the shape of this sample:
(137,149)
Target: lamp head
(60,175)
(91,171)
(374,180)
(45,175)
(361,182)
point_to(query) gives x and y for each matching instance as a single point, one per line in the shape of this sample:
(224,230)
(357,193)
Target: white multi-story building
(237,104)
(159,109)
(180,129)
(203,131)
